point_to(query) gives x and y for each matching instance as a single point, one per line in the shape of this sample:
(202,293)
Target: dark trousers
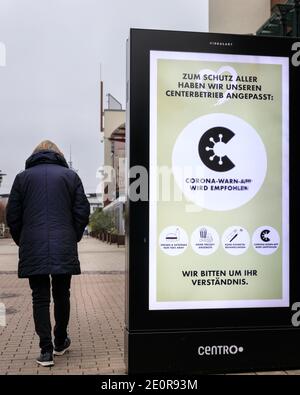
(41,293)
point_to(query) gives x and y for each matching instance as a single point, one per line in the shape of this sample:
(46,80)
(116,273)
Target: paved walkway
(95,256)
(97,316)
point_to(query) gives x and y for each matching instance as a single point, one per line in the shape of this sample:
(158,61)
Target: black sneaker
(45,359)
(60,350)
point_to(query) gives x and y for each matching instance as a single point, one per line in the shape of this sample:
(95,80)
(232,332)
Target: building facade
(113,165)
(95,200)
(238,17)
(4,231)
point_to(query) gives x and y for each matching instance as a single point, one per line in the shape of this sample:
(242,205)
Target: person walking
(47,213)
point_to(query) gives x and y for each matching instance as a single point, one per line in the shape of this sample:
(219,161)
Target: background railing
(284,21)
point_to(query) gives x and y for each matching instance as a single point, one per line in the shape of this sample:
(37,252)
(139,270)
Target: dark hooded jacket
(47,213)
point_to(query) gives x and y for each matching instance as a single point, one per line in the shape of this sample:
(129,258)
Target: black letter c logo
(212,147)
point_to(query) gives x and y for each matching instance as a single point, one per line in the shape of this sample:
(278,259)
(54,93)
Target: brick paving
(96,327)
(96,322)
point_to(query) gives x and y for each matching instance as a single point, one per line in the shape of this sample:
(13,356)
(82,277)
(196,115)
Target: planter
(121,240)
(113,238)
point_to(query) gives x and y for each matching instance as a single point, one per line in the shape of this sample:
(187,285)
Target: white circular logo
(173,240)
(266,240)
(235,240)
(205,240)
(219,162)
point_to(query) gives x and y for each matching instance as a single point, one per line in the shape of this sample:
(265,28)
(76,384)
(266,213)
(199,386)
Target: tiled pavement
(96,323)
(96,327)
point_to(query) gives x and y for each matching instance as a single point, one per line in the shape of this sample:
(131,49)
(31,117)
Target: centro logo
(219,350)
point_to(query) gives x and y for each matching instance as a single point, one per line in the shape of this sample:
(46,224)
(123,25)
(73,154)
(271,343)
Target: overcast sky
(49,88)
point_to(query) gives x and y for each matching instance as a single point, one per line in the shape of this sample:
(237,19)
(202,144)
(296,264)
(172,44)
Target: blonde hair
(49,146)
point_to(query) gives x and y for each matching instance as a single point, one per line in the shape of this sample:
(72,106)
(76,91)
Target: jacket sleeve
(14,211)
(81,209)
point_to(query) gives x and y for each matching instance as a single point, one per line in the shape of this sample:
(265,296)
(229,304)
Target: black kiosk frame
(159,341)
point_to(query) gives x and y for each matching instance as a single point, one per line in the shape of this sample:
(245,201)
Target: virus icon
(217,149)
(213,149)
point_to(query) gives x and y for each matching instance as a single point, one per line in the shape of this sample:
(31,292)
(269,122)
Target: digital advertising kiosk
(212,275)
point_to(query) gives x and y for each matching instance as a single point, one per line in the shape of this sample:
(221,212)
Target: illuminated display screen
(219,181)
